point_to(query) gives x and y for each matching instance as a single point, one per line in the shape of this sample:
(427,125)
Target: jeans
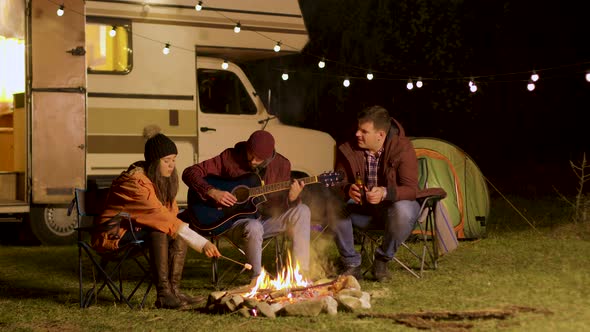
(397,220)
(249,234)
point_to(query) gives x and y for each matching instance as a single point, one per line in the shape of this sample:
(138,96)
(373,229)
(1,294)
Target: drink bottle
(360,183)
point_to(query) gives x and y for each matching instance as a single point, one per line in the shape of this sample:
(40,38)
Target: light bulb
(60,10)
(238,27)
(410,85)
(199,6)
(322,63)
(473,87)
(113,32)
(530,86)
(534,77)
(277,47)
(346,82)
(587,77)
(285,76)
(166,49)
(369,76)
(224,65)
(419,83)
(471,83)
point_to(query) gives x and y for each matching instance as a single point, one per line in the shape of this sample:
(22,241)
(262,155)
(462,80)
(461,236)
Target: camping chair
(424,235)
(107,265)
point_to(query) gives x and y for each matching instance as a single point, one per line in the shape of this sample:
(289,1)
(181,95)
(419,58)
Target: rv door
(57,72)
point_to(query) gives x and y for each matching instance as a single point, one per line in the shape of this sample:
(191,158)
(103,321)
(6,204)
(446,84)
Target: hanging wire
(492,78)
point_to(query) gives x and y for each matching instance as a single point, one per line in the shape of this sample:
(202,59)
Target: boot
(177,252)
(380,270)
(159,257)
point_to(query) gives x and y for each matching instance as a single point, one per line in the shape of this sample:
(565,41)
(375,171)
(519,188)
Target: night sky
(522,141)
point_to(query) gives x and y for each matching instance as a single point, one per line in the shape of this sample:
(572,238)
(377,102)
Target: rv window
(221,91)
(108,47)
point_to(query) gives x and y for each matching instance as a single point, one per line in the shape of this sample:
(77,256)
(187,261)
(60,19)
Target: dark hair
(378,115)
(166,187)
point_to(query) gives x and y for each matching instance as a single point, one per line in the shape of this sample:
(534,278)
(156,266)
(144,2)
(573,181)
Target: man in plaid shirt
(385,160)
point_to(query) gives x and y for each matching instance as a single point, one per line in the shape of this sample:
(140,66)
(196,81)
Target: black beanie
(158,145)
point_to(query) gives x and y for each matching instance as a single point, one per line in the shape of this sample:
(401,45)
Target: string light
(60,10)
(322,63)
(531,85)
(472,85)
(419,83)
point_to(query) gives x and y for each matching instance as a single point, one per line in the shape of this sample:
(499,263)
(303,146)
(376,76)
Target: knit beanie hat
(261,144)
(157,145)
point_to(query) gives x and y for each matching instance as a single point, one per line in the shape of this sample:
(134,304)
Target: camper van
(96,73)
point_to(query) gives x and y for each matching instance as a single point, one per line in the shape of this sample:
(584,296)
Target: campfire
(291,294)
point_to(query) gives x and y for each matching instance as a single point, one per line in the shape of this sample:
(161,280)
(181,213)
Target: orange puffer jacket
(132,192)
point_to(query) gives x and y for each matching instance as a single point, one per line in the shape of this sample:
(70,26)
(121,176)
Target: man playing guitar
(275,213)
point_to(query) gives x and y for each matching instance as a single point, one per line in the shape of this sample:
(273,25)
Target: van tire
(52,226)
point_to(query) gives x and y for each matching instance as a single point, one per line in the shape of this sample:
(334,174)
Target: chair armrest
(430,193)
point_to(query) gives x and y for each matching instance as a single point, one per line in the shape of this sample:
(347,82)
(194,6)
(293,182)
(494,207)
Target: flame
(289,277)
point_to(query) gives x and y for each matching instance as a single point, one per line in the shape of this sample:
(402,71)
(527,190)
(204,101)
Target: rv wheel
(52,225)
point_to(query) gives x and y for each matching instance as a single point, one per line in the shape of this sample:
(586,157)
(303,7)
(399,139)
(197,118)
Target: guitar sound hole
(242,193)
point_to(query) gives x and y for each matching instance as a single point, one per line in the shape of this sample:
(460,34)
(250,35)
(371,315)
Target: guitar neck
(279,186)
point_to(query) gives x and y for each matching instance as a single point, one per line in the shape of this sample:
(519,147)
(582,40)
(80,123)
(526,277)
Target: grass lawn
(545,269)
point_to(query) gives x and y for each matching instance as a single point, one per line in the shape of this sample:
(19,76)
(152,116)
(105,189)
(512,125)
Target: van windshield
(222,92)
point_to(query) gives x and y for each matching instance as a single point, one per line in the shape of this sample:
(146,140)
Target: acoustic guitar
(209,218)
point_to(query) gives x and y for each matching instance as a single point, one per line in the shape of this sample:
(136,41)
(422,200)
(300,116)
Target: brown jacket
(134,193)
(232,163)
(398,166)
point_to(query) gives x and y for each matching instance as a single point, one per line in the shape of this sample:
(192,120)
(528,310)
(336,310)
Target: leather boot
(380,270)
(178,249)
(159,257)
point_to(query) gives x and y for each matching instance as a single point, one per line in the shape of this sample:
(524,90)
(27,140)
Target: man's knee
(253,230)
(302,213)
(404,212)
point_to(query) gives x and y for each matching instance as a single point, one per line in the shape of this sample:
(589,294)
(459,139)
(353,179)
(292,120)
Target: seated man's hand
(376,195)
(224,198)
(355,193)
(295,189)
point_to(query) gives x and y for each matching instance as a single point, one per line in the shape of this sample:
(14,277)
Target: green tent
(467,205)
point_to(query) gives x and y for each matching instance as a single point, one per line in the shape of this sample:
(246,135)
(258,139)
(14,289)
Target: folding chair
(424,232)
(107,266)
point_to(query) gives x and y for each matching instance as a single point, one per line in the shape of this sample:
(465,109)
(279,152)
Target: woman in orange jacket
(147,191)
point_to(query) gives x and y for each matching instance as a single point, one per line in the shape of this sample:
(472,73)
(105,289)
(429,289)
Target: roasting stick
(245,265)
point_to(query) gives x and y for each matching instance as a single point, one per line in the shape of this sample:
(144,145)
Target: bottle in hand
(361,184)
